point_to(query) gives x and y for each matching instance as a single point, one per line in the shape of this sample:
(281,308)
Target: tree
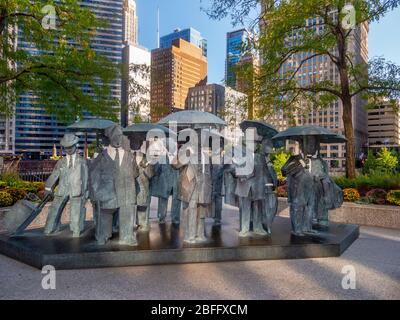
(66,76)
(386,161)
(297,31)
(139,92)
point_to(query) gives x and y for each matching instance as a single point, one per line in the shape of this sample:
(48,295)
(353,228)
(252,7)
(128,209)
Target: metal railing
(35,171)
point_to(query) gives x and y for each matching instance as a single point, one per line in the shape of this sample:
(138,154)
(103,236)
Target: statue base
(164,245)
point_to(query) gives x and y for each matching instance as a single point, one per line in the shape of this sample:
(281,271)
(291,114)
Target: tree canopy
(289,34)
(57,62)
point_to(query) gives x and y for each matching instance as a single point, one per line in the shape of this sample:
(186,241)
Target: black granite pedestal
(163,245)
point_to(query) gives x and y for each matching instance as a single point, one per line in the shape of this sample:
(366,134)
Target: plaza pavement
(375,257)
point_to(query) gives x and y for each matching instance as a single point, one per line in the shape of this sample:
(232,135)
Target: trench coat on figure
(195,188)
(251,191)
(112,187)
(327,195)
(146,172)
(301,195)
(163,185)
(70,179)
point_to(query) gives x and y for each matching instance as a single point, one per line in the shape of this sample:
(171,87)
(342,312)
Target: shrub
(351,194)
(386,161)
(12,180)
(377,196)
(39,186)
(370,163)
(3,185)
(278,160)
(393,197)
(6,199)
(16,193)
(31,187)
(367,182)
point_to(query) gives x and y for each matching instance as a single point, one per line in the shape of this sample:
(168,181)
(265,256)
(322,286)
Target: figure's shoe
(310,232)
(128,242)
(190,240)
(323,223)
(260,232)
(244,234)
(297,234)
(101,242)
(201,239)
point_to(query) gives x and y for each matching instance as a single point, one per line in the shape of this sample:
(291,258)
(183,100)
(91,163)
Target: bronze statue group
(119,182)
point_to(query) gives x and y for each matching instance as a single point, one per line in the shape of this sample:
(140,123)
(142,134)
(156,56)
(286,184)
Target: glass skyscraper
(190,35)
(235,42)
(36,131)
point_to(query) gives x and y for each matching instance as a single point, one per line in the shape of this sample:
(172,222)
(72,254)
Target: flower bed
(13,188)
(376,188)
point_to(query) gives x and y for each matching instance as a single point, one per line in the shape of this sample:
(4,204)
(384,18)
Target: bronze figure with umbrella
(311,191)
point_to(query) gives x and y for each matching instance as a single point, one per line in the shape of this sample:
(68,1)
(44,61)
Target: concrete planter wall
(366,215)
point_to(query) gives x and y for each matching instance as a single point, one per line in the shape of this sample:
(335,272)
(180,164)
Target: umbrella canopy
(297,133)
(146,127)
(208,133)
(91,125)
(193,118)
(263,129)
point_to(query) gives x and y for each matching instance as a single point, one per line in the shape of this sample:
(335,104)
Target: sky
(384,37)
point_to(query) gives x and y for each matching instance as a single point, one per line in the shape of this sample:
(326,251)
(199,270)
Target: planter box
(353,213)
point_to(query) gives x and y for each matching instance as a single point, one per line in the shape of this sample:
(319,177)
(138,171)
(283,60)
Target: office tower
(174,71)
(235,44)
(7,123)
(383,126)
(7,128)
(249,61)
(130,22)
(223,101)
(190,35)
(135,85)
(37,131)
(319,69)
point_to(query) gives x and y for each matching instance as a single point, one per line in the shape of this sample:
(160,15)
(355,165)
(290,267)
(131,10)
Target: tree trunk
(346,101)
(349,133)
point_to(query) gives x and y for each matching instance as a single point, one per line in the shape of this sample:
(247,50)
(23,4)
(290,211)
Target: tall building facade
(135,98)
(383,126)
(174,70)
(130,22)
(190,35)
(36,131)
(7,129)
(135,85)
(319,69)
(223,101)
(235,44)
(7,123)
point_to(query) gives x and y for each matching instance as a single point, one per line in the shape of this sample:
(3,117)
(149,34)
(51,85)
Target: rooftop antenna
(158,27)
